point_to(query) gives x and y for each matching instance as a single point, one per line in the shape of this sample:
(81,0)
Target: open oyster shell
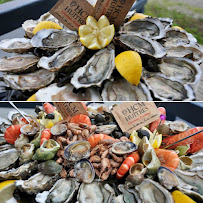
(167,22)
(18,63)
(64,57)
(97,69)
(30,81)
(16,45)
(147,27)
(122,90)
(142,45)
(53,38)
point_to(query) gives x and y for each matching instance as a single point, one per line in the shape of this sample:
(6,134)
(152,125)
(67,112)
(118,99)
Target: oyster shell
(64,57)
(167,22)
(27,151)
(29,81)
(177,126)
(18,63)
(181,69)
(19,173)
(167,89)
(127,195)
(142,45)
(65,93)
(16,45)
(122,90)
(5,147)
(105,129)
(36,183)
(148,27)
(62,191)
(53,39)
(49,167)
(97,69)
(22,140)
(123,147)
(58,129)
(29,130)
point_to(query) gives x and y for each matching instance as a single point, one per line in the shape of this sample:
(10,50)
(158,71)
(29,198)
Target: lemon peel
(96,34)
(6,190)
(180,28)
(138,16)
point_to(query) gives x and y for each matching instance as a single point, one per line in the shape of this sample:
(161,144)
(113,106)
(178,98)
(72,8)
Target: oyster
(66,93)
(122,90)
(62,191)
(188,51)
(49,167)
(30,81)
(53,39)
(2,139)
(58,129)
(176,37)
(36,183)
(151,191)
(29,130)
(105,129)
(97,69)
(27,152)
(22,140)
(167,89)
(127,195)
(148,27)
(77,151)
(123,147)
(142,45)
(8,158)
(5,147)
(84,171)
(64,57)
(181,69)
(18,63)
(167,22)
(28,26)
(19,173)
(16,45)
(177,126)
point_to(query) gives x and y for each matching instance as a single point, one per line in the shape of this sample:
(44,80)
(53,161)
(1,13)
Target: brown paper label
(70,109)
(115,10)
(135,115)
(72,13)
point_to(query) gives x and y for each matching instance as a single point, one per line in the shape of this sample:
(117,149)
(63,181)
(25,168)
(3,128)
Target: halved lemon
(96,34)
(6,190)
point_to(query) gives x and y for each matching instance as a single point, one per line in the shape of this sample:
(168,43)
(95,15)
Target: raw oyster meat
(97,69)
(30,81)
(16,45)
(181,69)
(66,93)
(122,90)
(53,38)
(142,45)
(64,57)
(147,27)
(165,88)
(18,63)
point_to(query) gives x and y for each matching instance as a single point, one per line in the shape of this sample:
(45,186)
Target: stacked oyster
(170,56)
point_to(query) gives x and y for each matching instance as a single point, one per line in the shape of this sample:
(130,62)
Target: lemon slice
(96,34)
(129,65)
(138,16)
(157,141)
(6,190)
(46,25)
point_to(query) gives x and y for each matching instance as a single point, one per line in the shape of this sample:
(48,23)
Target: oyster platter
(88,158)
(56,64)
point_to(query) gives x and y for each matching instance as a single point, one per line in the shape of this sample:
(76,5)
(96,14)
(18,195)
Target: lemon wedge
(157,141)
(6,190)
(138,16)
(134,137)
(96,34)
(180,28)
(46,25)
(32,98)
(129,65)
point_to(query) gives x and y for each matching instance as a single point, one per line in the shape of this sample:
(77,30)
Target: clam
(167,178)
(49,167)
(84,171)
(19,173)
(97,69)
(122,90)
(53,38)
(105,129)
(165,88)
(8,158)
(148,27)
(167,22)
(123,147)
(151,191)
(16,45)
(58,129)
(18,63)
(29,81)
(77,150)
(67,93)
(142,45)
(36,183)
(62,191)
(28,130)
(22,140)
(27,151)
(63,57)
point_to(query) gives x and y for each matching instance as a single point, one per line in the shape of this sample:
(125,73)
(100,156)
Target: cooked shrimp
(168,158)
(12,133)
(48,108)
(81,118)
(94,139)
(46,135)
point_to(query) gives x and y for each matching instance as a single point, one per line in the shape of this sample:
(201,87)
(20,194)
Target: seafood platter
(89,159)
(55,65)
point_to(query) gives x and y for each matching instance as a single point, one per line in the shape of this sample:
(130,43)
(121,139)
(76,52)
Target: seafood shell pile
(88,158)
(54,64)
